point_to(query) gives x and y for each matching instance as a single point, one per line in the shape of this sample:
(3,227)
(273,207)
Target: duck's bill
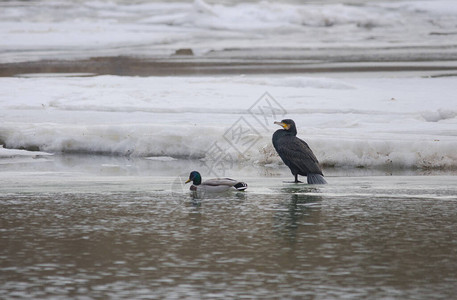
(188,180)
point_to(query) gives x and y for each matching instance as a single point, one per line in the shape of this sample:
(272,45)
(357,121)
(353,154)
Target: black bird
(296,154)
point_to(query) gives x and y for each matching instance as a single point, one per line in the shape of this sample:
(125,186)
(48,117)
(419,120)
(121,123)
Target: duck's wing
(220,181)
(296,153)
(226,182)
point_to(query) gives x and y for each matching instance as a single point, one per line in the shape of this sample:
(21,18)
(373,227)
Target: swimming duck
(296,154)
(214,185)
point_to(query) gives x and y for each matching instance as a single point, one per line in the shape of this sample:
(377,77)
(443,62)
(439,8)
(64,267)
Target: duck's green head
(195,177)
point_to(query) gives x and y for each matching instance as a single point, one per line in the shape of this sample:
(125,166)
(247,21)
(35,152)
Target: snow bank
(374,122)
(65,29)
(10,153)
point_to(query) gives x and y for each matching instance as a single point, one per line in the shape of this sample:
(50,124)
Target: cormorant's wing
(296,154)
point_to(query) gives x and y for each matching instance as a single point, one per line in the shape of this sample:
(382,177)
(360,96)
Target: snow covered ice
(403,122)
(73,29)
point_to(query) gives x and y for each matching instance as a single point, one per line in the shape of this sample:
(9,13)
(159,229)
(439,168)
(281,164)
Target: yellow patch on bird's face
(283,125)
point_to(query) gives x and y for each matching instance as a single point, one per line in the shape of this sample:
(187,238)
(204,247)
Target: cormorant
(296,154)
(214,185)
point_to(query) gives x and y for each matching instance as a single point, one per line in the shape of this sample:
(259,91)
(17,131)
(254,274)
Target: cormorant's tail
(241,186)
(316,179)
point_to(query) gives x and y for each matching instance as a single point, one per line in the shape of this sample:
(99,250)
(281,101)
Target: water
(82,233)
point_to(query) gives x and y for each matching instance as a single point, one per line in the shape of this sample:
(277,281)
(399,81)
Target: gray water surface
(81,236)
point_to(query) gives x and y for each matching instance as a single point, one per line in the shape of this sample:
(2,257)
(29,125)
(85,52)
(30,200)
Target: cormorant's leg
(296,179)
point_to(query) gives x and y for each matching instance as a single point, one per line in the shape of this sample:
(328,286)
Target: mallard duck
(214,185)
(296,154)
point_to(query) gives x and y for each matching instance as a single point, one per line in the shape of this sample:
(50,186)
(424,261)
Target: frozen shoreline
(369,31)
(402,123)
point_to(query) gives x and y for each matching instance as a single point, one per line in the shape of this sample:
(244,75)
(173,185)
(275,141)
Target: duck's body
(215,185)
(296,154)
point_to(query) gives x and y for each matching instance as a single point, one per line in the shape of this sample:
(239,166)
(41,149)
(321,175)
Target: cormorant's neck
(283,132)
(293,131)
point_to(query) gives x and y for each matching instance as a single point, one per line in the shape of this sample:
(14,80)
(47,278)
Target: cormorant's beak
(283,125)
(188,180)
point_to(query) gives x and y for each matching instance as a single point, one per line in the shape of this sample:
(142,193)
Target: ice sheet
(355,122)
(61,29)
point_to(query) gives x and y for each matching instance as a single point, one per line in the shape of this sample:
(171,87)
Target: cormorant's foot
(298,181)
